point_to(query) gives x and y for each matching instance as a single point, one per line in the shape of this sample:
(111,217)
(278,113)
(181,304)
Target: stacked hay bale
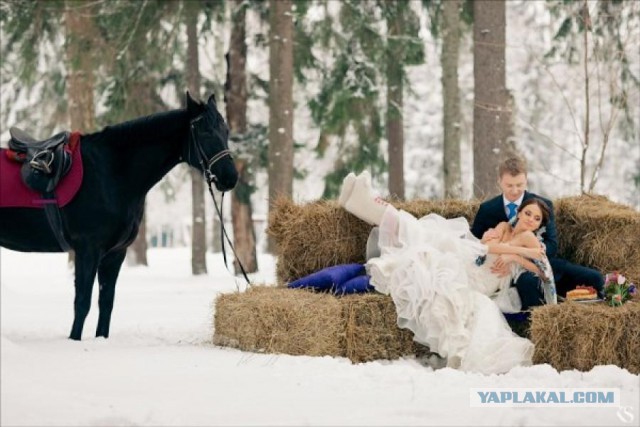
(581,336)
(303,322)
(592,231)
(597,232)
(314,236)
(309,238)
(320,234)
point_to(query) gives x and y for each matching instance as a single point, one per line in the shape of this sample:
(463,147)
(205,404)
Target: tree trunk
(395,133)
(80,80)
(491,113)
(451,99)
(280,156)
(81,65)
(137,252)
(244,237)
(198,215)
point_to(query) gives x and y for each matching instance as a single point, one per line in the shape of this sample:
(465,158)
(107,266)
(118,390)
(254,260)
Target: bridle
(206,164)
(210,177)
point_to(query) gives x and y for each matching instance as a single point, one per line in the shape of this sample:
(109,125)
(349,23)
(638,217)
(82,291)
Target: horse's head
(207,144)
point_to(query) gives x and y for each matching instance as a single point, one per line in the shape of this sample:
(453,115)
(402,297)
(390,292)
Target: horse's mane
(153,127)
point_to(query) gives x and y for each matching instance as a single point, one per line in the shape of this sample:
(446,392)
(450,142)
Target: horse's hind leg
(108,271)
(86,267)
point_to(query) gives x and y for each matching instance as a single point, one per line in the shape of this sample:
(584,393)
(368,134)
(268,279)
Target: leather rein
(210,178)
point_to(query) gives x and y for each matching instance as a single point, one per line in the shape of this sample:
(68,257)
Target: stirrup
(42,161)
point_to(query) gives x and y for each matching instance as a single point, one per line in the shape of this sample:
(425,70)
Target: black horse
(121,163)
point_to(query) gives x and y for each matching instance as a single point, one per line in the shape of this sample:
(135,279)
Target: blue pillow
(359,284)
(329,277)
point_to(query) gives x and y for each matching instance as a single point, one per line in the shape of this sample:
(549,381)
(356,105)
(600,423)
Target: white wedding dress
(442,295)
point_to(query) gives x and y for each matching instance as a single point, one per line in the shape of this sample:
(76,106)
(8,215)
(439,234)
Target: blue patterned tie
(512,209)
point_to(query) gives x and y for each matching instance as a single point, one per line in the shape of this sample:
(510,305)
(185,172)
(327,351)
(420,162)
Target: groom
(512,180)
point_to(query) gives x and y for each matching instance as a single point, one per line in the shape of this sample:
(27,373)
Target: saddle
(44,162)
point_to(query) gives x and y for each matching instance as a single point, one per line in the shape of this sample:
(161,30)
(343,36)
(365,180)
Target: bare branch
(548,138)
(133,31)
(566,101)
(585,146)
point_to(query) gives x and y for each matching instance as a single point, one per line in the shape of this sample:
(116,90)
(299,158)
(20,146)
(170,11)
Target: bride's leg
(362,203)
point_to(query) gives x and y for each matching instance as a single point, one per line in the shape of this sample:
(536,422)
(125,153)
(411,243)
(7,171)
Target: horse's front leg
(86,266)
(108,271)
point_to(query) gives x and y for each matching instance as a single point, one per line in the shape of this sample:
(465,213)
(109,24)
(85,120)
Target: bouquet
(617,289)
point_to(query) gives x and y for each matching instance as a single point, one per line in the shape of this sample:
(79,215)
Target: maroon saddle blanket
(15,194)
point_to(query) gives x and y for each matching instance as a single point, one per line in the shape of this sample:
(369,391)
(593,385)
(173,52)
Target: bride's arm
(518,259)
(528,247)
(494,233)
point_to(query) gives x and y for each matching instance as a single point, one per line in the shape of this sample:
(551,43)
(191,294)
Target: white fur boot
(347,188)
(362,203)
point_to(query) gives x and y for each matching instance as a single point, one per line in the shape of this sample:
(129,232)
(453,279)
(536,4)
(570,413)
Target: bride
(440,277)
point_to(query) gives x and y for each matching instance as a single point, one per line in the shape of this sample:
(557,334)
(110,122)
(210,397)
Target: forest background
(428,95)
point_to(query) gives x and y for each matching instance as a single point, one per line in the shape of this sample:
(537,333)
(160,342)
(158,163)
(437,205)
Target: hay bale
(314,236)
(280,320)
(267,319)
(581,336)
(597,232)
(319,234)
(371,330)
(592,230)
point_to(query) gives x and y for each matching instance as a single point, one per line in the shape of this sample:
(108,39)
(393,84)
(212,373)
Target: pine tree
(348,103)
(280,101)
(198,215)
(132,37)
(491,114)
(244,238)
(32,43)
(402,48)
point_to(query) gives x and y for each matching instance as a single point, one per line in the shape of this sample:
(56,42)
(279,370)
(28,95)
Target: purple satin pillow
(359,284)
(330,277)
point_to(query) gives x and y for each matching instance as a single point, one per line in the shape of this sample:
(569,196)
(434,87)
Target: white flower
(621,279)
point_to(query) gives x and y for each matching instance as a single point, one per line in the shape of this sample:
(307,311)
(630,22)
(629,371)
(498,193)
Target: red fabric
(14,194)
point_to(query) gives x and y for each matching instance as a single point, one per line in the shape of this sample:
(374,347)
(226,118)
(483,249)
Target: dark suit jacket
(491,213)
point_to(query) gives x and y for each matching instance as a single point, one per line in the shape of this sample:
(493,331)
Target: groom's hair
(513,165)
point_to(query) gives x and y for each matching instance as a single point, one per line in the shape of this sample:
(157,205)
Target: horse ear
(212,100)
(193,106)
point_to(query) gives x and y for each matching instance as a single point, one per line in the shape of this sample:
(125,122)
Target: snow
(159,367)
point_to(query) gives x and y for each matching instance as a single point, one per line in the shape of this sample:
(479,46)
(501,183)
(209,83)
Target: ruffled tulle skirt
(428,266)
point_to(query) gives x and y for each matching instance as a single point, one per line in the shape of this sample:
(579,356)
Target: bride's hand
(534,253)
(500,266)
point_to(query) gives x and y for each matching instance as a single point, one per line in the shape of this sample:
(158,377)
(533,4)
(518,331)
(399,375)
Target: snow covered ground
(160,369)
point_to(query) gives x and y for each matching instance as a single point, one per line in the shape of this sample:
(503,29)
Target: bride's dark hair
(544,208)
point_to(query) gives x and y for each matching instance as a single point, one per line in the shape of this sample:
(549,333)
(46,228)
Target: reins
(224,235)
(209,178)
